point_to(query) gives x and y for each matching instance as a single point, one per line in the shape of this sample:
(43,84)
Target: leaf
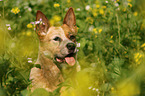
(117,71)
(40,92)
(3,92)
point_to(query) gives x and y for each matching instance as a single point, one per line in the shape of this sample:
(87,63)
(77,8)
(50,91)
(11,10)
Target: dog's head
(57,43)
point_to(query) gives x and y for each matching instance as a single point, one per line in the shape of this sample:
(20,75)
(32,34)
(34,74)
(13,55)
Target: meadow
(110,44)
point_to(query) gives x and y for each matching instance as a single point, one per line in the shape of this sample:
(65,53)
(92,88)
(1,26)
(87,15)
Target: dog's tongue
(70,60)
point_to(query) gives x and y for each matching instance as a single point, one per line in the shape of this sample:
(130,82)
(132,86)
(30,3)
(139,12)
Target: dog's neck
(49,70)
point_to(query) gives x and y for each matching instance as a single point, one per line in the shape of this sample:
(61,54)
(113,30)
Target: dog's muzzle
(70,57)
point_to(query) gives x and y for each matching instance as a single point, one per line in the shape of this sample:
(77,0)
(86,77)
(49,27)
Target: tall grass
(111,53)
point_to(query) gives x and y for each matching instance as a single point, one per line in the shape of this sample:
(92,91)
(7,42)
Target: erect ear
(70,19)
(42,24)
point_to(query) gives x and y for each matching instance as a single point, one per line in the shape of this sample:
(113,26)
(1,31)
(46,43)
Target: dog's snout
(71,46)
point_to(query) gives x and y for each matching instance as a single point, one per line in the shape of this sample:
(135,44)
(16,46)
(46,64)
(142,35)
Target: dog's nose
(71,46)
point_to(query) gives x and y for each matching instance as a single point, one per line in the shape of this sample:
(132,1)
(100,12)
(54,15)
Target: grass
(111,53)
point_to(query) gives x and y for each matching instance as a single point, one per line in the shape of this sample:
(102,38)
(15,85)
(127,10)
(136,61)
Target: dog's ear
(70,19)
(42,24)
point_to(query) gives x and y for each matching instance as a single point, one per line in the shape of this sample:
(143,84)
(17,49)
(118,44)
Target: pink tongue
(70,60)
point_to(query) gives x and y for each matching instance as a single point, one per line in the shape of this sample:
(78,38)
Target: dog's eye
(57,39)
(72,37)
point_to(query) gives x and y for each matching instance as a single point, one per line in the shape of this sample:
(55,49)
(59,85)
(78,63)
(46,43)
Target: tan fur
(49,76)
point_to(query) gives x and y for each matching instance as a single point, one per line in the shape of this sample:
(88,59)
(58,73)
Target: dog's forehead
(62,31)
(55,30)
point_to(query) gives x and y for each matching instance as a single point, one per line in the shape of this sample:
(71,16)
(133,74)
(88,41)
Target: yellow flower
(15,10)
(143,45)
(97,6)
(111,41)
(95,30)
(68,1)
(101,11)
(94,12)
(137,57)
(129,4)
(90,20)
(129,0)
(135,13)
(78,28)
(56,18)
(112,89)
(29,25)
(56,5)
(124,9)
(118,0)
(100,30)
(104,7)
(111,37)
(125,52)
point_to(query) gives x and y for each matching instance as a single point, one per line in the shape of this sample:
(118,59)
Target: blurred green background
(111,35)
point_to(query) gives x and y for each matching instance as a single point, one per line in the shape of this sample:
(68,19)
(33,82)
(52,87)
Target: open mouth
(69,59)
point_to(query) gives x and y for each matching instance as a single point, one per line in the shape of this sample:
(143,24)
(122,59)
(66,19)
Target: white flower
(29,58)
(116,4)
(40,19)
(106,1)
(9,28)
(90,87)
(66,9)
(37,22)
(29,9)
(87,7)
(29,61)
(97,89)
(32,22)
(94,89)
(78,9)
(118,8)
(78,44)
(90,28)
(7,24)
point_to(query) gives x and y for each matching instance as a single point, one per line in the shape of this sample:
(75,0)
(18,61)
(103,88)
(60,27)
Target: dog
(57,51)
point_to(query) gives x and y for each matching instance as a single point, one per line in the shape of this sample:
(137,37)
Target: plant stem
(118,28)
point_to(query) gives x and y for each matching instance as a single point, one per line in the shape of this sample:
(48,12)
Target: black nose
(71,46)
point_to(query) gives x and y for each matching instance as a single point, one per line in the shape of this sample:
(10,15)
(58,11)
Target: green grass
(111,53)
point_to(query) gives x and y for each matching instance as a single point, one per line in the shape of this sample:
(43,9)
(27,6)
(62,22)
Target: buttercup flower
(90,20)
(137,57)
(55,19)
(15,10)
(100,30)
(129,0)
(29,25)
(97,6)
(129,4)
(68,1)
(101,11)
(95,30)
(56,5)
(135,13)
